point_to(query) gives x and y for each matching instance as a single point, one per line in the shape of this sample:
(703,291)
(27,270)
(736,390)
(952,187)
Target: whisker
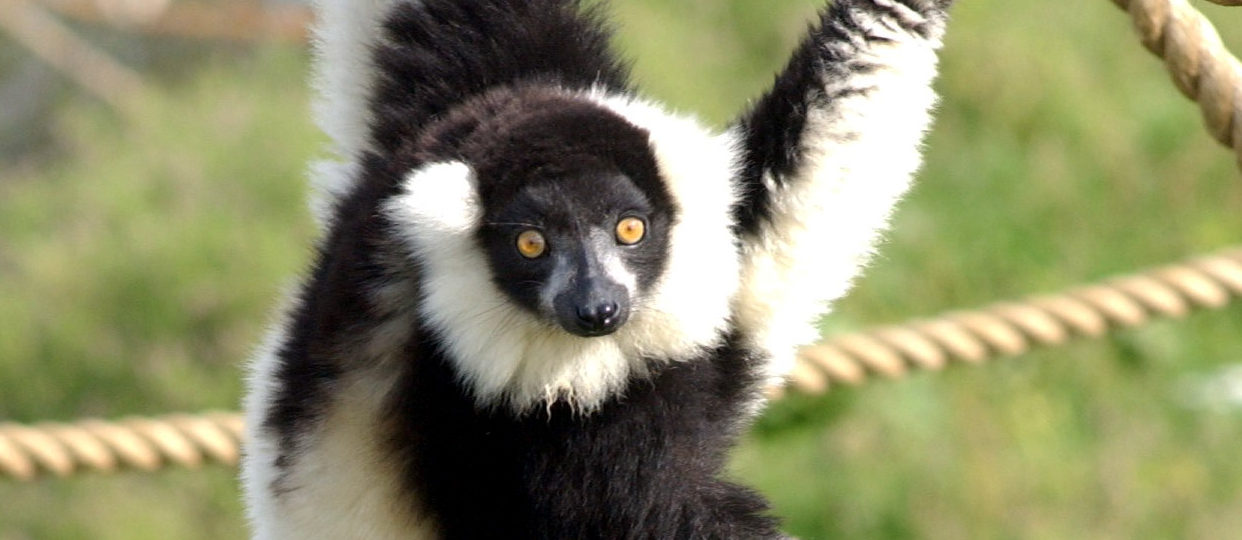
(488,311)
(512,224)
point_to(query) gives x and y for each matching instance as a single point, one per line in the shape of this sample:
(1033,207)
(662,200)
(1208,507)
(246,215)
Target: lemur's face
(575,217)
(580,249)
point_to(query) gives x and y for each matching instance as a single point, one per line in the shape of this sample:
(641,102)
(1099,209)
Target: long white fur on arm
(854,158)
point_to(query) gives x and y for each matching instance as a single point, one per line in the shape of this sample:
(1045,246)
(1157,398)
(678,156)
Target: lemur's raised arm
(825,155)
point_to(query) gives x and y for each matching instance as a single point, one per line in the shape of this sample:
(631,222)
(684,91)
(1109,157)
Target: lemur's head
(575,217)
(566,231)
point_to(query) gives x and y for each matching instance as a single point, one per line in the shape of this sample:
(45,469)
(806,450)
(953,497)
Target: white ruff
(858,157)
(506,355)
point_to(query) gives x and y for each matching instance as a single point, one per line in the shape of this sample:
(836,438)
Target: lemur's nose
(600,317)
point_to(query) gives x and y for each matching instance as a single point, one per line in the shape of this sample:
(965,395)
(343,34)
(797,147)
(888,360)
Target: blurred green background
(141,255)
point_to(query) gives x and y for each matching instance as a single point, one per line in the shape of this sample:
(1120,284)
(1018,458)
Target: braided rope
(145,444)
(1006,328)
(1202,69)
(1011,328)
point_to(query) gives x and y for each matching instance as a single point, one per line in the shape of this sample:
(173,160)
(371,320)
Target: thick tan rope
(1006,328)
(1011,328)
(1197,59)
(1204,71)
(1201,68)
(144,444)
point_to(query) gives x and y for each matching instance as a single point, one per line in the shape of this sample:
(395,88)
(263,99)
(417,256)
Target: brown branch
(230,21)
(75,58)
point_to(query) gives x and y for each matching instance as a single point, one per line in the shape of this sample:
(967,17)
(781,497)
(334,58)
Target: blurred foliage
(140,259)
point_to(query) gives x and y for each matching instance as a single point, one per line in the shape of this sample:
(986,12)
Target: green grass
(140,261)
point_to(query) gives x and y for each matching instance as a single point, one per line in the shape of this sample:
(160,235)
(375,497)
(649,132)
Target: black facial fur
(577,217)
(571,170)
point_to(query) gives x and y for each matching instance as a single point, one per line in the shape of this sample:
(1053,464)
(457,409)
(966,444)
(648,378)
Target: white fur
(260,448)
(694,297)
(505,354)
(611,264)
(330,181)
(615,269)
(858,157)
(344,34)
(338,483)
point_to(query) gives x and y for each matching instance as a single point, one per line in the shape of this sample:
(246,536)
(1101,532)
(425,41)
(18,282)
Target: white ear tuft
(439,202)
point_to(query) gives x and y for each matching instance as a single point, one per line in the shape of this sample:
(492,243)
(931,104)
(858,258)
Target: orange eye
(531,244)
(631,230)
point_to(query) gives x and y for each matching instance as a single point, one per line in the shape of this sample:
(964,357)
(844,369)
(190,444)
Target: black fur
(645,466)
(485,82)
(566,167)
(772,129)
(440,53)
(332,308)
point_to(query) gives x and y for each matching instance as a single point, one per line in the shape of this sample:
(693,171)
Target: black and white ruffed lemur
(543,307)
